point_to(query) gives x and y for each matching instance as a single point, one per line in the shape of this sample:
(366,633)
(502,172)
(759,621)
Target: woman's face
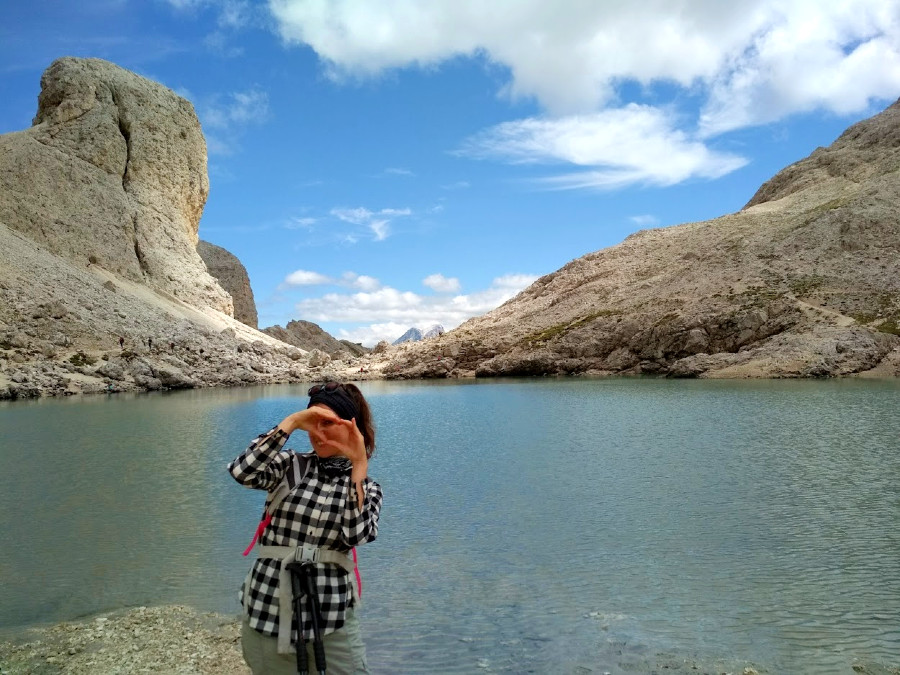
(333,432)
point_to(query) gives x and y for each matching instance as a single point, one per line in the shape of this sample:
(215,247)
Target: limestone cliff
(113,173)
(232,276)
(101,288)
(804,281)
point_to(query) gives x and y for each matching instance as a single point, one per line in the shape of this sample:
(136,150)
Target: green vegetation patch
(563,328)
(805,285)
(82,359)
(821,209)
(864,318)
(890,326)
(760,294)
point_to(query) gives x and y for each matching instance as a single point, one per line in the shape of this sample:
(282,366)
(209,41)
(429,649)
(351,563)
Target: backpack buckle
(307,553)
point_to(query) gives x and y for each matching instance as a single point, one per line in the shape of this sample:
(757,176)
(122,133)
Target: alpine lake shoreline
(180,639)
(175,638)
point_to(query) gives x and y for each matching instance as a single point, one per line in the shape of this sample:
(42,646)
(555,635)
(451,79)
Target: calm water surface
(529,525)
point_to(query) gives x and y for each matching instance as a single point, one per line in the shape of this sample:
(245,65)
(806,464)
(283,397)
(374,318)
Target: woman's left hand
(345,437)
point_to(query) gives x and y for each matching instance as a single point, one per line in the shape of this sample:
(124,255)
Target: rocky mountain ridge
(307,335)
(802,282)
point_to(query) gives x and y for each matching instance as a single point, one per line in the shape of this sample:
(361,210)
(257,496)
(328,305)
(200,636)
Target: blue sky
(382,165)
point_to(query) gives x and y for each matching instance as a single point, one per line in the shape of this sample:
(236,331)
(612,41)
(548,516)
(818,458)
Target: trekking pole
(316,614)
(298,576)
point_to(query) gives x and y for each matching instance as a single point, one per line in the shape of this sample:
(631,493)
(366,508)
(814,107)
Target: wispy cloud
(296,223)
(377,222)
(236,108)
(622,146)
(225,117)
(348,279)
(399,172)
(645,220)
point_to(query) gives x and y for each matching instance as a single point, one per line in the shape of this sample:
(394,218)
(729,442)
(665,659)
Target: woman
(320,506)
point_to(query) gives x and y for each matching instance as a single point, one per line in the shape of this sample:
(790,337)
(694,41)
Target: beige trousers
(345,653)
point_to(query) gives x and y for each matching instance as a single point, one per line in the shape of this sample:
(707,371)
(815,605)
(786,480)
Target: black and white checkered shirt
(321,510)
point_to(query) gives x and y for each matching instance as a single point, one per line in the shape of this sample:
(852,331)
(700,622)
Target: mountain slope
(804,281)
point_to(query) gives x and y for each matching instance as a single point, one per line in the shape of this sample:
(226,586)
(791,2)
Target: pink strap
(356,569)
(259,530)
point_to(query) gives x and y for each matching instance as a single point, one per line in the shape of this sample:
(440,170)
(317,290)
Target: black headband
(338,400)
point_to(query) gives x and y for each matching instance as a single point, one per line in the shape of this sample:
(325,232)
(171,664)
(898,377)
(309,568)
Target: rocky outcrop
(803,282)
(101,288)
(113,174)
(232,276)
(309,336)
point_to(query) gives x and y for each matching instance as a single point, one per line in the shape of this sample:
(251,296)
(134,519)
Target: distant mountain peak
(416,334)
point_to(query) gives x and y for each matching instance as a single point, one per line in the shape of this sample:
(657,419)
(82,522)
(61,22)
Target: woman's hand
(311,420)
(345,438)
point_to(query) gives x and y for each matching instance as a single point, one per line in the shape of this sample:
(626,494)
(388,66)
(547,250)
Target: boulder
(318,358)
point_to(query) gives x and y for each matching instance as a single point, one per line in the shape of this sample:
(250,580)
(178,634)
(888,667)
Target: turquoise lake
(533,525)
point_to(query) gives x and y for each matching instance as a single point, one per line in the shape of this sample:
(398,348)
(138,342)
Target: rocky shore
(180,640)
(170,639)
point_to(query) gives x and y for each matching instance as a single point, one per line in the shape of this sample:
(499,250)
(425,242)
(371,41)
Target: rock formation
(101,288)
(112,173)
(232,276)
(307,335)
(803,282)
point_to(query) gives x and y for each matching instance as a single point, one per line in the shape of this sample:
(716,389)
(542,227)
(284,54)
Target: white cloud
(358,216)
(379,229)
(645,220)
(306,278)
(399,172)
(296,223)
(225,116)
(235,108)
(378,222)
(756,60)
(395,212)
(404,308)
(360,281)
(633,144)
(442,284)
(458,185)
(374,333)
(348,279)
(234,14)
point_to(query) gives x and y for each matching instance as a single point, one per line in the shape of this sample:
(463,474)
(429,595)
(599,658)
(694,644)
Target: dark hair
(366,424)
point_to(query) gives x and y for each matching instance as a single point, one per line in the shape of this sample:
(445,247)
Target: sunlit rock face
(112,173)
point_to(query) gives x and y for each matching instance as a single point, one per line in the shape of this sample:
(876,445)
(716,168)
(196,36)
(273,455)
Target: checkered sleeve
(361,525)
(263,463)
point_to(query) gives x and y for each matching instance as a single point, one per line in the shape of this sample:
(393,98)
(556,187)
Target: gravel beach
(168,639)
(179,640)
